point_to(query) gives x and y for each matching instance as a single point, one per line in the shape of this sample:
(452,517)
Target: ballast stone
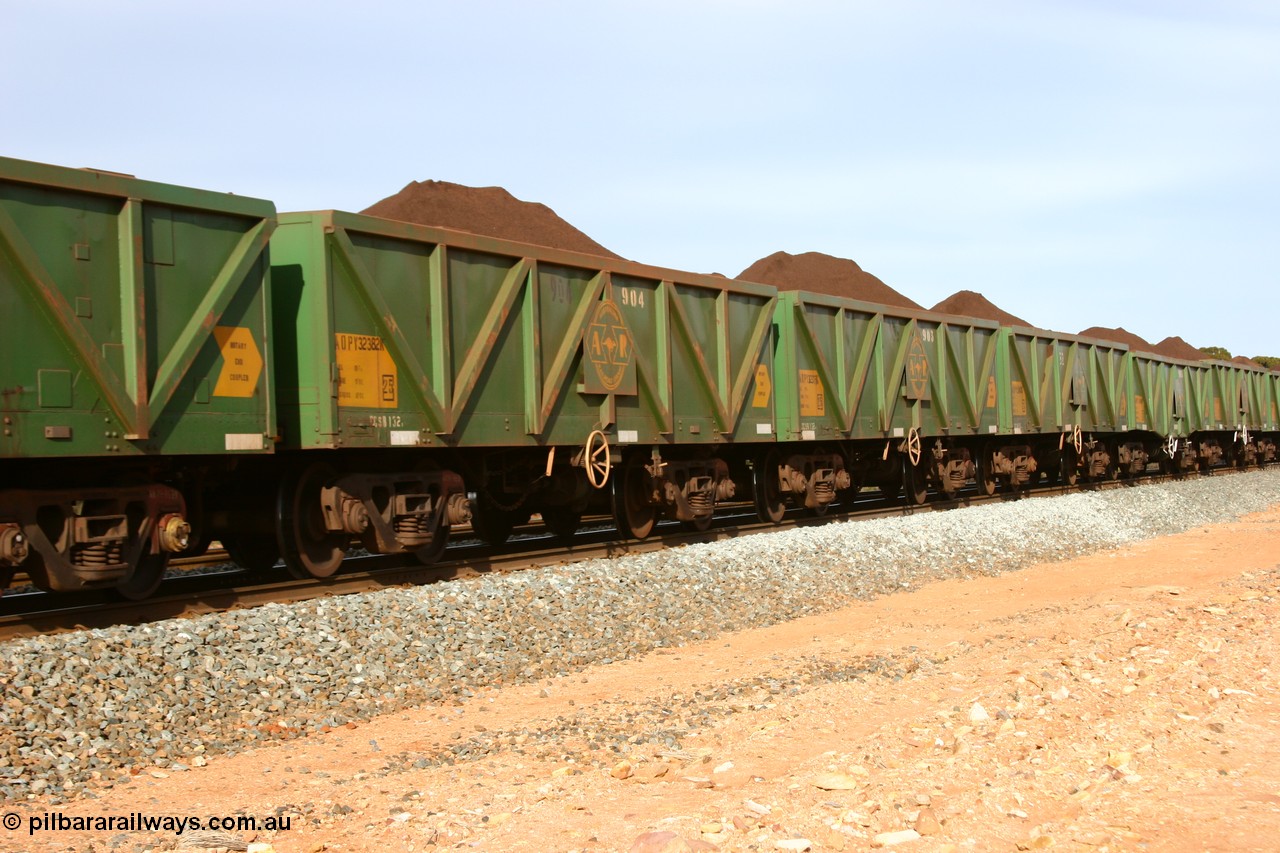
(82,708)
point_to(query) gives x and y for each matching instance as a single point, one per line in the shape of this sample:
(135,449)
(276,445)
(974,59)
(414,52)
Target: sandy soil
(1125,701)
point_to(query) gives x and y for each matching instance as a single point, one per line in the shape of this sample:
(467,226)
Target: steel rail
(192,595)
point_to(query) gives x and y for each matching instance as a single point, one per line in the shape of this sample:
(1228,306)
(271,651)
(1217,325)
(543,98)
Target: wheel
(891,488)
(429,555)
(700,524)
(1068,469)
(145,579)
(986,476)
(561,521)
(771,504)
(632,512)
(492,524)
(199,546)
(916,481)
(257,552)
(309,549)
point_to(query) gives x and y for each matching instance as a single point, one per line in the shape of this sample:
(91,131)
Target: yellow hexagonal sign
(241,362)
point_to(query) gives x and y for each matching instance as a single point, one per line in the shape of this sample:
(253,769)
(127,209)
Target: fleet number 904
(632,297)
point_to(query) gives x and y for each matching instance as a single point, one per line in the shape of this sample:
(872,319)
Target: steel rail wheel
(492,523)
(820,510)
(699,523)
(257,552)
(771,504)
(561,522)
(916,481)
(986,476)
(308,547)
(430,554)
(145,579)
(632,512)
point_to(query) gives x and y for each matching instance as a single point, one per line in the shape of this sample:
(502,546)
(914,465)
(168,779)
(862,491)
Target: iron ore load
(181,366)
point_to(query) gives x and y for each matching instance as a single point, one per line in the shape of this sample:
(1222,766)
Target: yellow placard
(366,372)
(1019,400)
(991,392)
(241,362)
(1139,408)
(763,387)
(813,403)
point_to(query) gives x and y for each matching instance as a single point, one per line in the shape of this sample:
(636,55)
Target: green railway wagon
(136,357)
(1049,401)
(441,364)
(889,394)
(1157,415)
(1247,402)
(1269,444)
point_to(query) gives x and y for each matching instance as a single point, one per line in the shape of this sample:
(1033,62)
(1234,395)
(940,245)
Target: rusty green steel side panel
(1041,382)
(1242,392)
(1271,399)
(1049,383)
(1149,400)
(1228,397)
(1195,380)
(1102,368)
(856,370)
(414,336)
(136,316)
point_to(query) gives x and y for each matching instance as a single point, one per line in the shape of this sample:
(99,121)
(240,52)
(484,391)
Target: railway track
(185,595)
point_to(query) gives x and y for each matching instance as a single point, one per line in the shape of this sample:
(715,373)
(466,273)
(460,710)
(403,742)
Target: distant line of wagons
(180,366)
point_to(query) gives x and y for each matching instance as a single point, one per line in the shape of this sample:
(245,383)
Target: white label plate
(244,441)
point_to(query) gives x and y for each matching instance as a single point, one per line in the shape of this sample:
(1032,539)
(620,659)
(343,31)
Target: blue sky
(1079,163)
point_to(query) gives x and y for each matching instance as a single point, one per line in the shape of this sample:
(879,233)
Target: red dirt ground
(1126,701)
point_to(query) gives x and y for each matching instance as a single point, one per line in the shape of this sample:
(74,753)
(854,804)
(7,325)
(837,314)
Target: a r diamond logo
(610,352)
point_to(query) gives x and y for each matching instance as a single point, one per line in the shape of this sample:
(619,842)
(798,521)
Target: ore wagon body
(180,365)
(879,385)
(136,359)
(519,374)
